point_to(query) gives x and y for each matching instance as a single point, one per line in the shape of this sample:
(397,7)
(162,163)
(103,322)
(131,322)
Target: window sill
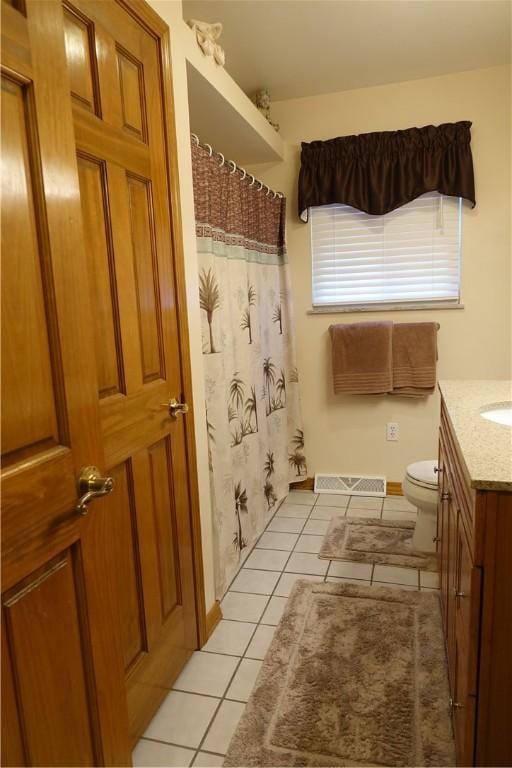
(412,306)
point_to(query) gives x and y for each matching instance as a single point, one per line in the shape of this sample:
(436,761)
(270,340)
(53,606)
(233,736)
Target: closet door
(117,96)
(63,699)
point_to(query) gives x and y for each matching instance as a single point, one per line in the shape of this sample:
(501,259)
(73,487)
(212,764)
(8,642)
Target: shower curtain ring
(245,173)
(210,150)
(219,154)
(196,137)
(274,195)
(231,162)
(268,190)
(260,186)
(253,179)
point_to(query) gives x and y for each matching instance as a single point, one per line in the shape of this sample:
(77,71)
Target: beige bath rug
(367,540)
(354,676)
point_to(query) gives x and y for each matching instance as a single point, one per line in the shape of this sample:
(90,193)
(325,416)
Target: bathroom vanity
(474,544)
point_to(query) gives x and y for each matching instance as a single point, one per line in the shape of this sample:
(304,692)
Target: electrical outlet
(392,431)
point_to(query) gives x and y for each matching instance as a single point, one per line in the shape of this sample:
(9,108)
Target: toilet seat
(422,474)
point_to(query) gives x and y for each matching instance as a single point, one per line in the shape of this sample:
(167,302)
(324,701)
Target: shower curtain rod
(236,167)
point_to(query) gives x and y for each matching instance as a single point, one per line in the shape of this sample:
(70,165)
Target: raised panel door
(63,701)
(121,150)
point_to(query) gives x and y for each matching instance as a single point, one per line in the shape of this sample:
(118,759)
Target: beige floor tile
(332,500)
(182,719)
(260,642)
(308,543)
(267,559)
(275,540)
(207,673)
(326,513)
(351,570)
(286,524)
(429,579)
(357,582)
(223,726)
(274,610)
(307,498)
(294,510)
(243,606)
(257,582)
(154,754)
(208,760)
(397,514)
(373,514)
(317,527)
(287,580)
(398,504)
(301,562)
(231,637)
(365,502)
(244,679)
(396,575)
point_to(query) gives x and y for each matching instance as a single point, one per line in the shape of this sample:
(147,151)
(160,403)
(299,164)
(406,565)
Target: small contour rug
(355,676)
(374,541)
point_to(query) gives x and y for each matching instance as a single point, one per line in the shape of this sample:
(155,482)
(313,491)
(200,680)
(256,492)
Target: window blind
(411,254)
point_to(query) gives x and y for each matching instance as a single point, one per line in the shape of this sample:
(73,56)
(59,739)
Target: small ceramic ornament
(207,35)
(262,101)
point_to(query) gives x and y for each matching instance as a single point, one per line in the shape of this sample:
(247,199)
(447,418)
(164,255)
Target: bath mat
(367,540)
(354,676)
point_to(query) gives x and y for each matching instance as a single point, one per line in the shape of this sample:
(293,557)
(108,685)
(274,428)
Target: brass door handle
(455,704)
(91,485)
(445,496)
(457,593)
(175,407)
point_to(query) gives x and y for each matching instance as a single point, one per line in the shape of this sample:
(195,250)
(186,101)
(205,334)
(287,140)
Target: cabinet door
(443,533)
(466,600)
(450,574)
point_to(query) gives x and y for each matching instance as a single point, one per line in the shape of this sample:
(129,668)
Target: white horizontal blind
(411,254)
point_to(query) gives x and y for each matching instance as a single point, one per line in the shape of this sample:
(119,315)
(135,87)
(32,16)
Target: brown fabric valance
(378,172)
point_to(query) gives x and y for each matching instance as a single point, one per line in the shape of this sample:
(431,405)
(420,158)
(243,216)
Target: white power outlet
(392,431)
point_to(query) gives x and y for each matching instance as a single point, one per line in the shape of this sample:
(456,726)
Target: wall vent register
(408,256)
(357,485)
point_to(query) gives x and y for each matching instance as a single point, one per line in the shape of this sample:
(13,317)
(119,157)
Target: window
(408,256)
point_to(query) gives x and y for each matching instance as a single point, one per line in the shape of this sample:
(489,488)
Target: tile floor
(195,723)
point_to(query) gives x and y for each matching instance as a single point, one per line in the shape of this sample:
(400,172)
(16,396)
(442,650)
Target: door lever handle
(91,485)
(175,407)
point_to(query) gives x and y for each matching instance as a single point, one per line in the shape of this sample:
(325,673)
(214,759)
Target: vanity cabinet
(474,544)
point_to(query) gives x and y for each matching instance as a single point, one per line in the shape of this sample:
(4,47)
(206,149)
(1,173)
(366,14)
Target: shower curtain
(253,419)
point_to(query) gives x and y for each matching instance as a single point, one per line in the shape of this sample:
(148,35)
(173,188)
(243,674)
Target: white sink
(500,413)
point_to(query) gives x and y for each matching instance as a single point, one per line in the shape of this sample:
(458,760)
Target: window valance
(378,172)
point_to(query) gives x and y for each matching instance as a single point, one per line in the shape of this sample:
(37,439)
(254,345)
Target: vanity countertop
(485,446)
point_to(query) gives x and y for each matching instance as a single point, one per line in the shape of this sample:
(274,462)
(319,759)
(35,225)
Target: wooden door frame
(160,31)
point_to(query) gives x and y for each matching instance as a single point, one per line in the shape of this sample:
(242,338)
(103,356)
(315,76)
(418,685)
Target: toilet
(420,489)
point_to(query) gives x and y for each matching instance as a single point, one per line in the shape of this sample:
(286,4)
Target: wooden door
(63,699)
(120,132)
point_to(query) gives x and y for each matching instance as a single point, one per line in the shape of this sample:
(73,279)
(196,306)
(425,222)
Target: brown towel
(362,358)
(414,359)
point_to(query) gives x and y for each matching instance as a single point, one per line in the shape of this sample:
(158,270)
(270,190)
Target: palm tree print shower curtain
(255,438)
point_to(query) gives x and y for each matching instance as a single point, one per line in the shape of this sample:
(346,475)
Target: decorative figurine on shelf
(207,35)
(262,101)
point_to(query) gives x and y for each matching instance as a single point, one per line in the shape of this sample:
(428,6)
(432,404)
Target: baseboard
(392,489)
(213,617)
(303,485)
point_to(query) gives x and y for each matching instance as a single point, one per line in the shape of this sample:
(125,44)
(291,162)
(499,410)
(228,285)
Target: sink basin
(500,413)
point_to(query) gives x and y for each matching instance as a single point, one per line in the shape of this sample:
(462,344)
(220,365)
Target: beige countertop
(485,446)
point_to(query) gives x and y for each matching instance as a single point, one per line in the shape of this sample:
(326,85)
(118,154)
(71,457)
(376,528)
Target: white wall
(348,433)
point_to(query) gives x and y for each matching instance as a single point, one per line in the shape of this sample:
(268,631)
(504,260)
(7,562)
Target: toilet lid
(422,472)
